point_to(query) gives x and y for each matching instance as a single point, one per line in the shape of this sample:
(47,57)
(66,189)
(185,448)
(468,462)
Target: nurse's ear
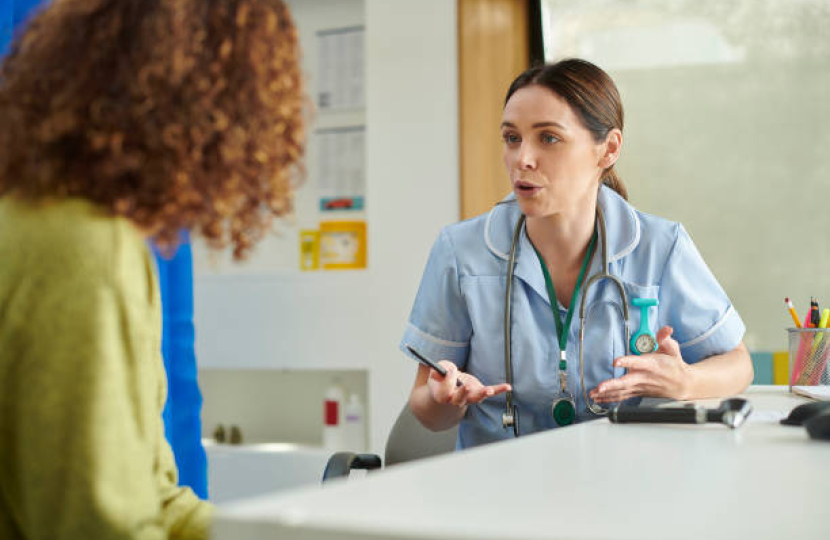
(610,149)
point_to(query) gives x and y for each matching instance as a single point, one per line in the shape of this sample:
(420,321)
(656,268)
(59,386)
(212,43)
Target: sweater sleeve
(186,517)
(92,461)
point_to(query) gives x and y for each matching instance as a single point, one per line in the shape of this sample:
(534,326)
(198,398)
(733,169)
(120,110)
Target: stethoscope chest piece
(510,418)
(564,411)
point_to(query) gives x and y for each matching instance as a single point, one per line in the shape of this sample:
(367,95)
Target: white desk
(591,481)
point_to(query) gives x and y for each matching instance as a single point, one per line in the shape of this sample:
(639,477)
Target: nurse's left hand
(662,373)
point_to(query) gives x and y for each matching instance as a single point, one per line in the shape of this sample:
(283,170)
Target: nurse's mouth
(525,189)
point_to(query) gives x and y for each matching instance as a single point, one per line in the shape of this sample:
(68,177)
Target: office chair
(408,440)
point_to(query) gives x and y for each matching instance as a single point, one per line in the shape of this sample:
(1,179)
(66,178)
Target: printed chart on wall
(341,174)
(340,241)
(340,68)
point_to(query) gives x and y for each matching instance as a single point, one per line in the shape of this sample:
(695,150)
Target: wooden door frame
(496,41)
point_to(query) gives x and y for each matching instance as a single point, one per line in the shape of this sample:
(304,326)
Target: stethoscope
(644,341)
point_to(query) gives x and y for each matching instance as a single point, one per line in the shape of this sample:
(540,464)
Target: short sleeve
(439,325)
(694,304)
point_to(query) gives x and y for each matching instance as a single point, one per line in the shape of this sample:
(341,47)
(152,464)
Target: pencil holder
(809,354)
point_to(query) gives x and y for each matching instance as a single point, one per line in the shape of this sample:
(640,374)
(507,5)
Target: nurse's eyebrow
(537,125)
(549,124)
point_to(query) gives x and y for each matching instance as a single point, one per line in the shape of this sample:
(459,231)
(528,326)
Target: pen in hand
(432,364)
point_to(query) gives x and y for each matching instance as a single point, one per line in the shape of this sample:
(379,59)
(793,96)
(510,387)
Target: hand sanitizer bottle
(333,415)
(355,425)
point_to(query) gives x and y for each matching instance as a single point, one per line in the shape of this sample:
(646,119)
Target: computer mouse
(819,426)
(804,411)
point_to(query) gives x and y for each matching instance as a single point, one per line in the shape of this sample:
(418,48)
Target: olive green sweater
(82,384)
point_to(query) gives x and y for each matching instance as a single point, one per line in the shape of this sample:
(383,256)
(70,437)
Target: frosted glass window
(727,129)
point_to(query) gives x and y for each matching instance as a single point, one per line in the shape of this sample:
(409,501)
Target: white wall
(354,320)
(412,118)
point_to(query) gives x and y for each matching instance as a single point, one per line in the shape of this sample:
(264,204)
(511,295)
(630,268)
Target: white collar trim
(510,201)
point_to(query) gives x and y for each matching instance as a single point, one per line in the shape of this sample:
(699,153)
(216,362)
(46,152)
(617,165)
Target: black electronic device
(432,364)
(731,412)
(804,412)
(818,426)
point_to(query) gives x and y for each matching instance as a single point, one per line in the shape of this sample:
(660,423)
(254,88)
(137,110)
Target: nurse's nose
(527,157)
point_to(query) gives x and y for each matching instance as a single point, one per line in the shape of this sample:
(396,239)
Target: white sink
(246,470)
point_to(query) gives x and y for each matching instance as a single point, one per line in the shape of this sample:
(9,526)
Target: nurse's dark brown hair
(590,92)
(176,114)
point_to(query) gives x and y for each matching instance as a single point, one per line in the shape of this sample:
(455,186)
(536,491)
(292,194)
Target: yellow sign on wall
(309,250)
(342,245)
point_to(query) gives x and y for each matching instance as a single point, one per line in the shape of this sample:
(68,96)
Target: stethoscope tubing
(596,278)
(510,416)
(510,411)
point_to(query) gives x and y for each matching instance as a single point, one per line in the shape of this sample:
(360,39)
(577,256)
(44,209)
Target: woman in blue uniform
(506,295)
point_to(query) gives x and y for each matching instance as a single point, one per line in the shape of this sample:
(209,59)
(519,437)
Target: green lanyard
(563,329)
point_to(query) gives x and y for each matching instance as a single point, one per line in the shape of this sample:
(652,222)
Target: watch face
(645,343)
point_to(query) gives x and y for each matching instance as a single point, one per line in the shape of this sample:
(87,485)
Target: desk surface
(590,481)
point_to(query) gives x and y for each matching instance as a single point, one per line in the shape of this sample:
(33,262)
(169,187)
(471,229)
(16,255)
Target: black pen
(434,365)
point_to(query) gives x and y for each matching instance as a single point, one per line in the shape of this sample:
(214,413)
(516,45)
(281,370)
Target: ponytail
(612,180)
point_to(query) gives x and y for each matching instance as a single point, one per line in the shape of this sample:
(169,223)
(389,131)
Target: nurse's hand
(445,391)
(659,374)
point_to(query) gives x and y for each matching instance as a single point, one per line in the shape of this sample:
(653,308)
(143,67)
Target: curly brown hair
(173,113)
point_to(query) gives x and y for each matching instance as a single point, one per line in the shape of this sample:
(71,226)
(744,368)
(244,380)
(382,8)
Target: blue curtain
(12,14)
(182,420)
(182,411)
(6,25)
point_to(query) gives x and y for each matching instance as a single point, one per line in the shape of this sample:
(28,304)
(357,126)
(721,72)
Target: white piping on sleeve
(711,331)
(434,339)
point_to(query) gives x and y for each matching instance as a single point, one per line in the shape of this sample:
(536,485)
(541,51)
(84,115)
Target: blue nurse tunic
(459,309)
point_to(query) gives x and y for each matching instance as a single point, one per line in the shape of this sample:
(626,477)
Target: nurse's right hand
(445,391)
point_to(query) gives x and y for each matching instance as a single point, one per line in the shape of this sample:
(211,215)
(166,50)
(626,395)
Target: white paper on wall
(341,168)
(340,68)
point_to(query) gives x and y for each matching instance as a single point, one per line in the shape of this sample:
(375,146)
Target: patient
(121,121)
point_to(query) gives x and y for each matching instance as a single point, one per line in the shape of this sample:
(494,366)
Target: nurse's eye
(511,139)
(549,138)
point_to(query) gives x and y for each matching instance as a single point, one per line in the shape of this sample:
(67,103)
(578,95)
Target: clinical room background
(726,131)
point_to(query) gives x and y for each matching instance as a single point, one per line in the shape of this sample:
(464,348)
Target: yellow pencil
(793,313)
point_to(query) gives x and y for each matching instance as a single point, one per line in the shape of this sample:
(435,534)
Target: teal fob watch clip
(643,341)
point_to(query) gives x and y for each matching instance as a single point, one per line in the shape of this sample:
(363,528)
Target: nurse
(562,134)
